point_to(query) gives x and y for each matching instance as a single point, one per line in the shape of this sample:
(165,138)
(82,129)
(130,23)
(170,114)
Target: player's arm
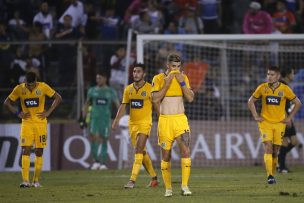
(9,104)
(251,106)
(57,100)
(121,111)
(86,107)
(156,107)
(297,105)
(187,92)
(157,96)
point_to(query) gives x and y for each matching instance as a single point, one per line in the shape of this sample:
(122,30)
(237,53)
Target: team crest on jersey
(163,145)
(281,93)
(264,136)
(38,92)
(23,91)
(144,93)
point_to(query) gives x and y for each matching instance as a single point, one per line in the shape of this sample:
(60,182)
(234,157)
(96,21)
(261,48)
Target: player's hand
(287,121)
(258,119)
(23,115)
(169,78)
(114,124)
(179,77)
(42,115)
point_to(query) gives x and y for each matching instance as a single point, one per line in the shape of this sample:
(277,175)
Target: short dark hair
(274,68)
(141,65)
(173,58)
(286,71)
(102,73)
(30,77)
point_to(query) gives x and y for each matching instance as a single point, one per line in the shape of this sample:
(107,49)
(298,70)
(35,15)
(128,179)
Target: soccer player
(290,139)
(272,120)
(31,95)
(138,97)
(100,97)
(168,91)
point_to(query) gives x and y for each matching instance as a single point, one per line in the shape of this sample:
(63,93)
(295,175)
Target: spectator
(190,22)
(17,27)
(133,10)
(45,18)
(76,11)
(210,13)
(110,25)
(5,55)
(118,70)
(283,20)
(257,21)
(144,25)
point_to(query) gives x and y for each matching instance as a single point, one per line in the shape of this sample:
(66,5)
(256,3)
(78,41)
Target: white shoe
(95,166)
(186,191)
(36,184)
(130,185)
(103,167)
(168,193)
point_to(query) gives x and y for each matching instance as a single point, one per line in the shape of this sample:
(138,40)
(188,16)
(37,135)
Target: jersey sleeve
(48,90)
(258,92)
(155,84)
(290,95)
(187,82)
(15,94)
(126,99)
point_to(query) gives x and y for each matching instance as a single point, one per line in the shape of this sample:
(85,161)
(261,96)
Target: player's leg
(267,136)
(25,164)
(38,166)
(40,131)
(26,140)
(289,141)
(94,129)
(138,157)
(183,142)
(166,171)
(104,132)
(147,163)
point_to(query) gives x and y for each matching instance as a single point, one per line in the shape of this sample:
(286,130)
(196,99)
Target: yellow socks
(268,163)
(38,168)
(186,167)
(148,165)
(25,168)
(166,172)
(138,160)
(274,164)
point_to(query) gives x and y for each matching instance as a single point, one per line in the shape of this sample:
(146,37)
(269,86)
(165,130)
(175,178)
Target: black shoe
(271,180)
(24,185)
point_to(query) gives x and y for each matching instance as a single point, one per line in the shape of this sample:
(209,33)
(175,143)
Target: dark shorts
(290,131)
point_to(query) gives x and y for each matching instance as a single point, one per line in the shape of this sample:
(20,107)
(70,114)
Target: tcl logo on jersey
(101,101)
(137,103)
(272,100)
(32,102)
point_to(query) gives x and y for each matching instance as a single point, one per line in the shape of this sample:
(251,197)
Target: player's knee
(185,153)
(39,152)
(26,151)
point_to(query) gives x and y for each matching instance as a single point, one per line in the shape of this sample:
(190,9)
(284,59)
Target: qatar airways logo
(272,100)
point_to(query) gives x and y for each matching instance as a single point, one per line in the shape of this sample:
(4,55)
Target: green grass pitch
(233,184)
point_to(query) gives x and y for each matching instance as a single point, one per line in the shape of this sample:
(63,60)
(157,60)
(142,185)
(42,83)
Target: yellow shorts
(170,127)
(273,132)
(135,129)
(33,134)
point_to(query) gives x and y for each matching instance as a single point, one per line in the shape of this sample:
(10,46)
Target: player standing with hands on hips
(273,120)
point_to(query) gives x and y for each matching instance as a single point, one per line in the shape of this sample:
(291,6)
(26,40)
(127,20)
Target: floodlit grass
(235,185)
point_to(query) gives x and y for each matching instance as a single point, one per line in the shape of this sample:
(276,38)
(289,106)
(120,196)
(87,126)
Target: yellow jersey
(32,101)
(273,101)
(140,102)
(175,90)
